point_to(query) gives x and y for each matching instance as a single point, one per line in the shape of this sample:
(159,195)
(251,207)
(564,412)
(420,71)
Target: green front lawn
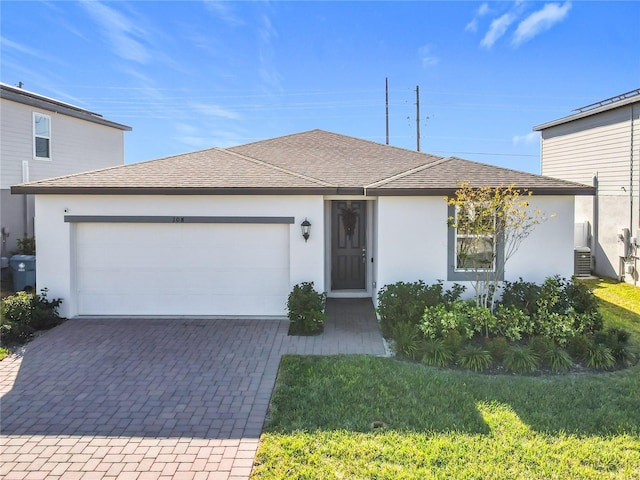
(619,304)
(362,417)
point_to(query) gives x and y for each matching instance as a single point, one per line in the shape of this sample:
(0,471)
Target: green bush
(512,323)
(26,245)
(440,320)
(23,313)
(15,318)
(617,339)
(498,347)
(403,302)
(405,339)
(558,360)
(306,309)
(474,358)
(599,356)
(578,346)
(436,353)
(521,359)
(520,295)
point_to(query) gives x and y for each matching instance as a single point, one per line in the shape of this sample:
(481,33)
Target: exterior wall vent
(582,262)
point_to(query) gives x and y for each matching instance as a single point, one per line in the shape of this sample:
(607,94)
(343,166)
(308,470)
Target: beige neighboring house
(600,145)
(42,138)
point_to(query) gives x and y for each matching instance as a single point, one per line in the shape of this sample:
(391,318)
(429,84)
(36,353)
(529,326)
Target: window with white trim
(41,136)
(466,250)
(475,248)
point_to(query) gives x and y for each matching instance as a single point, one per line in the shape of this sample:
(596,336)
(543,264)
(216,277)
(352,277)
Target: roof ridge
(407,173)
(275,167)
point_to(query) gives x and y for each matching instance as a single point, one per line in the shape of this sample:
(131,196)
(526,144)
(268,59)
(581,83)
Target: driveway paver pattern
(154,398)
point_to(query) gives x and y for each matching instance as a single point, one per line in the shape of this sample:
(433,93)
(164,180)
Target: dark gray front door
(348,247)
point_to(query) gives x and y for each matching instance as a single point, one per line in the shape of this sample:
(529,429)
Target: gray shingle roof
(310,162)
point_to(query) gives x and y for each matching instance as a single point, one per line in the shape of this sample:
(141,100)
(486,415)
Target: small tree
(490,221)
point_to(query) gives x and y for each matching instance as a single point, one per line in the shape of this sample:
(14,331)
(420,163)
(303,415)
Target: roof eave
(432,192)
(59,107)
(53,190)
(587,113)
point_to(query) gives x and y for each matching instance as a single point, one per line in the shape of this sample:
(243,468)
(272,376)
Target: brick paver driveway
(150,399)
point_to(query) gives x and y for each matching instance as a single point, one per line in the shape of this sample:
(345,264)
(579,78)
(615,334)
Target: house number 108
(178,219)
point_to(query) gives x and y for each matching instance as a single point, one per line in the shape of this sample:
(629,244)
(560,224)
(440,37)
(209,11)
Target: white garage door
(182,269)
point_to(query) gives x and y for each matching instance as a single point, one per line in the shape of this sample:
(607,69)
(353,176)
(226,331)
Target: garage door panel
(193,269)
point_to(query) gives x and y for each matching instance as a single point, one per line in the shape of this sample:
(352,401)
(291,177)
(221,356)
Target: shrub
(23,313)
(15,318)
(558,360)
(512,323)
(521,359)
(45,312)
(26,245)
(555,326)
(406,302)
(306,309)
(438,321)
(474,358)
(405,339)
(497,347)
(578,346)
(617,339)
(520,295)
(599,356)
(436,353)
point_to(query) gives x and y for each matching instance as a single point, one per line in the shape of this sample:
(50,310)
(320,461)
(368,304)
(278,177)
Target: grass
(438,423)
(619,304)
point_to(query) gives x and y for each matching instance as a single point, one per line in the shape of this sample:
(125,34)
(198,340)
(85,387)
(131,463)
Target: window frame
(36,136)
(465,274)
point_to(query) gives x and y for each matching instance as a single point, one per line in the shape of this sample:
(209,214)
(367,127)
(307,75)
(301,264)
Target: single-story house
(219,232)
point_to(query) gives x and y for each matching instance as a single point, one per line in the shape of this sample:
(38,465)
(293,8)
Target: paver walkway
(154,398)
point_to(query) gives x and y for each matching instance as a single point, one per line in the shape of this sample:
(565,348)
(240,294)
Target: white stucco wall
(412,241)
(55,259)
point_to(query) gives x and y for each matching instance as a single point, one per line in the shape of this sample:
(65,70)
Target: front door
(348,247)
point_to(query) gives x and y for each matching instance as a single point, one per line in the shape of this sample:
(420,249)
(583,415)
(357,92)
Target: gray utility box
(582,262)
(23,269)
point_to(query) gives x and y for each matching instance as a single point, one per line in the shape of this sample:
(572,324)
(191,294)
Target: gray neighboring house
(600,145)
(40,138)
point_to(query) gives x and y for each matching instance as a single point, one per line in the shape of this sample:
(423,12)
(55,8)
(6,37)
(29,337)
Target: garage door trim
(174,219)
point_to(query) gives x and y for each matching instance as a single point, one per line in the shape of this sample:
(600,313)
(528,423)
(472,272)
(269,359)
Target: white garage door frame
(247,300)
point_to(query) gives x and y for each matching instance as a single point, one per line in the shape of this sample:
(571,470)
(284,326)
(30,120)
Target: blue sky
(188,75)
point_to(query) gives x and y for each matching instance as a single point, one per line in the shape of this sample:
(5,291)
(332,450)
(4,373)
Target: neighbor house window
(41,136)
(473,250)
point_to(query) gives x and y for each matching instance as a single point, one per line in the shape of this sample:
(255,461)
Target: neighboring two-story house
(600,144)
(41,138)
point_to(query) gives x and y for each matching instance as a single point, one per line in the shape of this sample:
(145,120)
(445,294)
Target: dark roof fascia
(45,190)
(432,192)
(58,107)
(370,192)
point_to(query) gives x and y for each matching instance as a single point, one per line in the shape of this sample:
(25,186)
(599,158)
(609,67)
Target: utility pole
(418,115)
(386,93)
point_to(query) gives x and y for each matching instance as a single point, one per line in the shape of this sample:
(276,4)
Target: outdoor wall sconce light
(306,229)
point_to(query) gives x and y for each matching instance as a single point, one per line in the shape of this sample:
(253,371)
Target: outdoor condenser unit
(582,262)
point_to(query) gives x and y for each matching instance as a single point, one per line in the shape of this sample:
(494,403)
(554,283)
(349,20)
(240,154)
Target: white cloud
(472,26)
(124,33)
(528,139)
(427,57)
(212,110)
(497,29)
(223,11)
(540,21)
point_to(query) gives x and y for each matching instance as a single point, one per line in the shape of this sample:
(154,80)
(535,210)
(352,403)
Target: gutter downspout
(596,219)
